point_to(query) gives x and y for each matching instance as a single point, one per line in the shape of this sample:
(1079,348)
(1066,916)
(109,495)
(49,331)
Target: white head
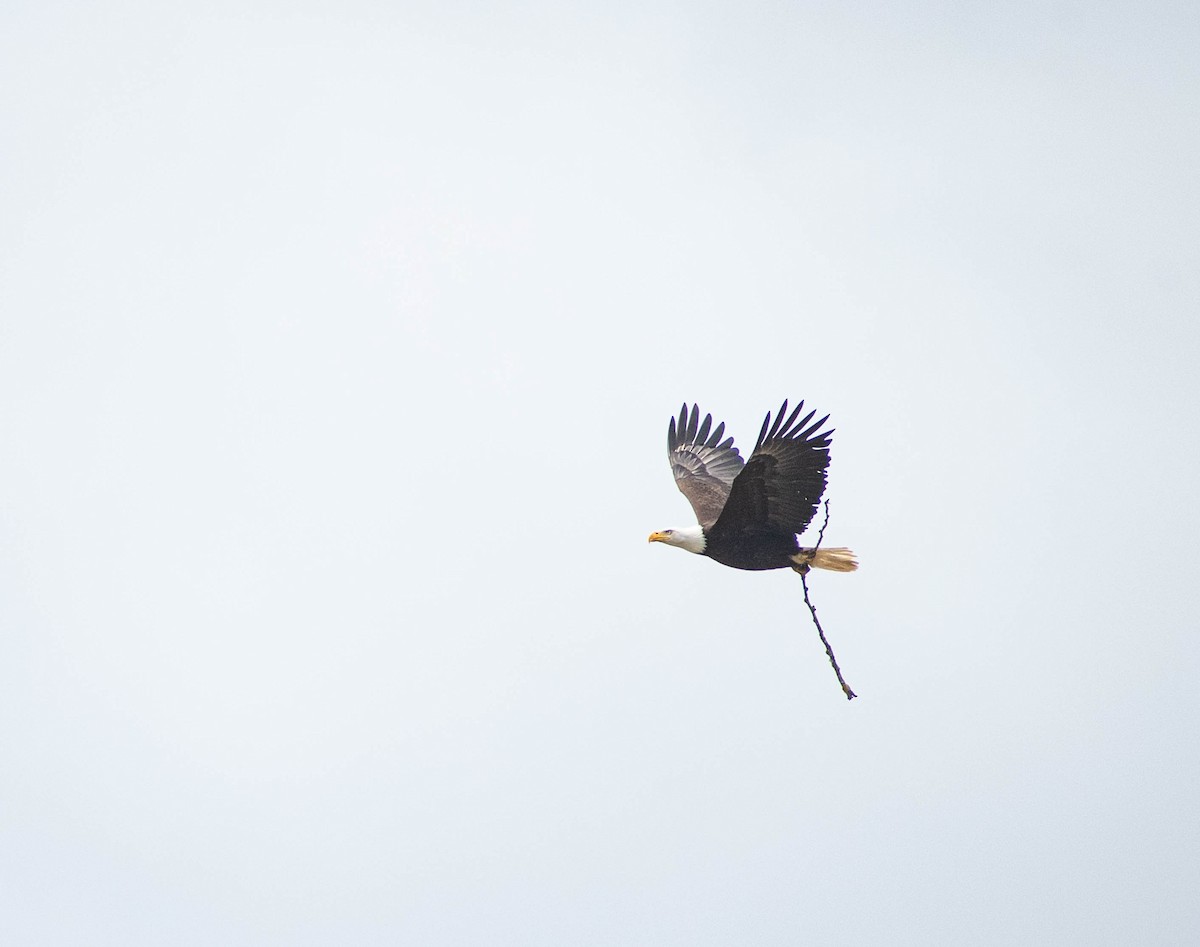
(690,538)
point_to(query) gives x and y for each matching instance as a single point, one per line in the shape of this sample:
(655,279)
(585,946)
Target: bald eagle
(750,512)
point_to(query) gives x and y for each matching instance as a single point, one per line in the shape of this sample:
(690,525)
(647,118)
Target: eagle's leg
(839,559)
(802,561)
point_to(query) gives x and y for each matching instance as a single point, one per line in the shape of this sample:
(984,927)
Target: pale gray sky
(337,347)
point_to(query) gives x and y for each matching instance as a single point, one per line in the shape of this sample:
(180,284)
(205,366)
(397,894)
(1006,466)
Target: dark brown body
(755,550)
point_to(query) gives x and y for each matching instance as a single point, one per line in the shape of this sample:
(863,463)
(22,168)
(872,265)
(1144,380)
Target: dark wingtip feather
(762,432)
(702,434)
(815,427)
(678,429)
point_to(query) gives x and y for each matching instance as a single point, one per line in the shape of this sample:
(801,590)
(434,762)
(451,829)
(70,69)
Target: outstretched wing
(781,484)
(703,465)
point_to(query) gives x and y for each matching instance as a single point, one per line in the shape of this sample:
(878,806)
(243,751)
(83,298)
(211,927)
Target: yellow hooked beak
(657,538)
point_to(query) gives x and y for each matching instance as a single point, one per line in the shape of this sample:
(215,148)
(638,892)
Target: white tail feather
(835,559)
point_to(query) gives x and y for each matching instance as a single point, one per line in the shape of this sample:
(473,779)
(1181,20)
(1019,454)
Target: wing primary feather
(763,431)
(716,435)
(826,437)
(671,439)
(778,420)
(693,420)
(702,434)
(814,428)
(679,431)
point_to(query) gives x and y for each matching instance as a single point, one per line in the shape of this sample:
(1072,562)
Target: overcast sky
(338,343)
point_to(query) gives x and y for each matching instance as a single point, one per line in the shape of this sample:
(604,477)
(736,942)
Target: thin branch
(821,534)
(850,695)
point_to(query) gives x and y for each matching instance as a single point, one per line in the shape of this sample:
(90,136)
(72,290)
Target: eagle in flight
(751,512)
